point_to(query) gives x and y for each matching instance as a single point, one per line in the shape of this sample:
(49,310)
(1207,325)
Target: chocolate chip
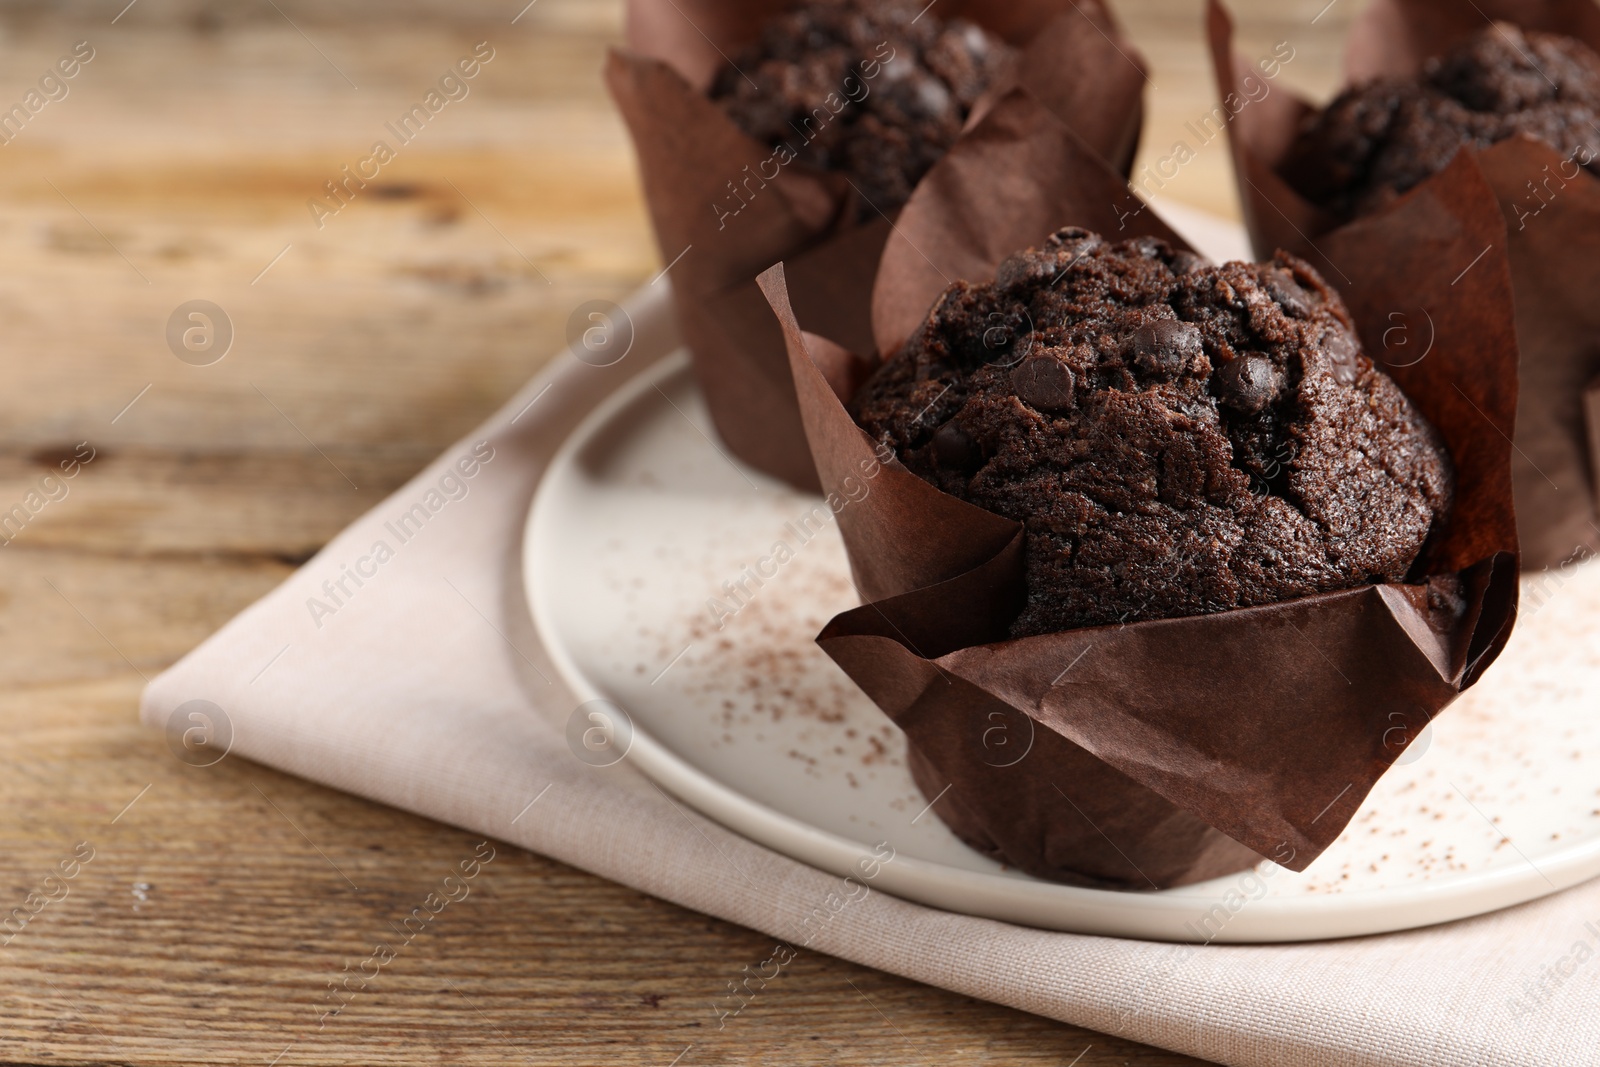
(931,98)
(916,96)
(955,449)
(1288,293)
(1027,269)
(1074,241)
(1342,350)
(1247,384)
(1007,338)
(1186,262)
(1044,383)
(1166,346)
(974,40)
(1149,247)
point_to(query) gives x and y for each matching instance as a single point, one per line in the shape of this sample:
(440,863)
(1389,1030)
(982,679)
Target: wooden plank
(206,929)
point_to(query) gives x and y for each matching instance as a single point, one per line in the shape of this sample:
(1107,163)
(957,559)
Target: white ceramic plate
(637,545)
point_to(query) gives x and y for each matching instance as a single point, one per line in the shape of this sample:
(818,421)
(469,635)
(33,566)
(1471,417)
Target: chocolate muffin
(1377,140)
(876,90)
(1175,438)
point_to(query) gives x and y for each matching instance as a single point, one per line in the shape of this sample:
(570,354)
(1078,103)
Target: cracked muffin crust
(1377,140)
(872,89)
(1175,438)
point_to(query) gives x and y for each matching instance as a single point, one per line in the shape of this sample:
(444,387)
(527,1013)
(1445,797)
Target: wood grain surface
(220,902)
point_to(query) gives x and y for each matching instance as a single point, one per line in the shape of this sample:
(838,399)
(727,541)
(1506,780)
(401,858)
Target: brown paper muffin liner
(1552,240)
(1169,751)
(697,166)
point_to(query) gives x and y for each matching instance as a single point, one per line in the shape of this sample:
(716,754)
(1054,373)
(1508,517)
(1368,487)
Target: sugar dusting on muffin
(877,90)
(1377,140)
(1176,438)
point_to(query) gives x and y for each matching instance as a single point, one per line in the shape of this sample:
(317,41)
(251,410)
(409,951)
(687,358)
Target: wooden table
(177,167)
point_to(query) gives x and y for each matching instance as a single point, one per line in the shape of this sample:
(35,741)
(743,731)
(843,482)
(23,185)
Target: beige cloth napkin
(425,687)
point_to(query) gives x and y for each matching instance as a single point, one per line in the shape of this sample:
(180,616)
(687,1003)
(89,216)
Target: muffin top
(876,89)
(1175,438)
(1377,140)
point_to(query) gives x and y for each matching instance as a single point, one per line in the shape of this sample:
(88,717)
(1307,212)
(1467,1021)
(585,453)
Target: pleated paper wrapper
(1162,752)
